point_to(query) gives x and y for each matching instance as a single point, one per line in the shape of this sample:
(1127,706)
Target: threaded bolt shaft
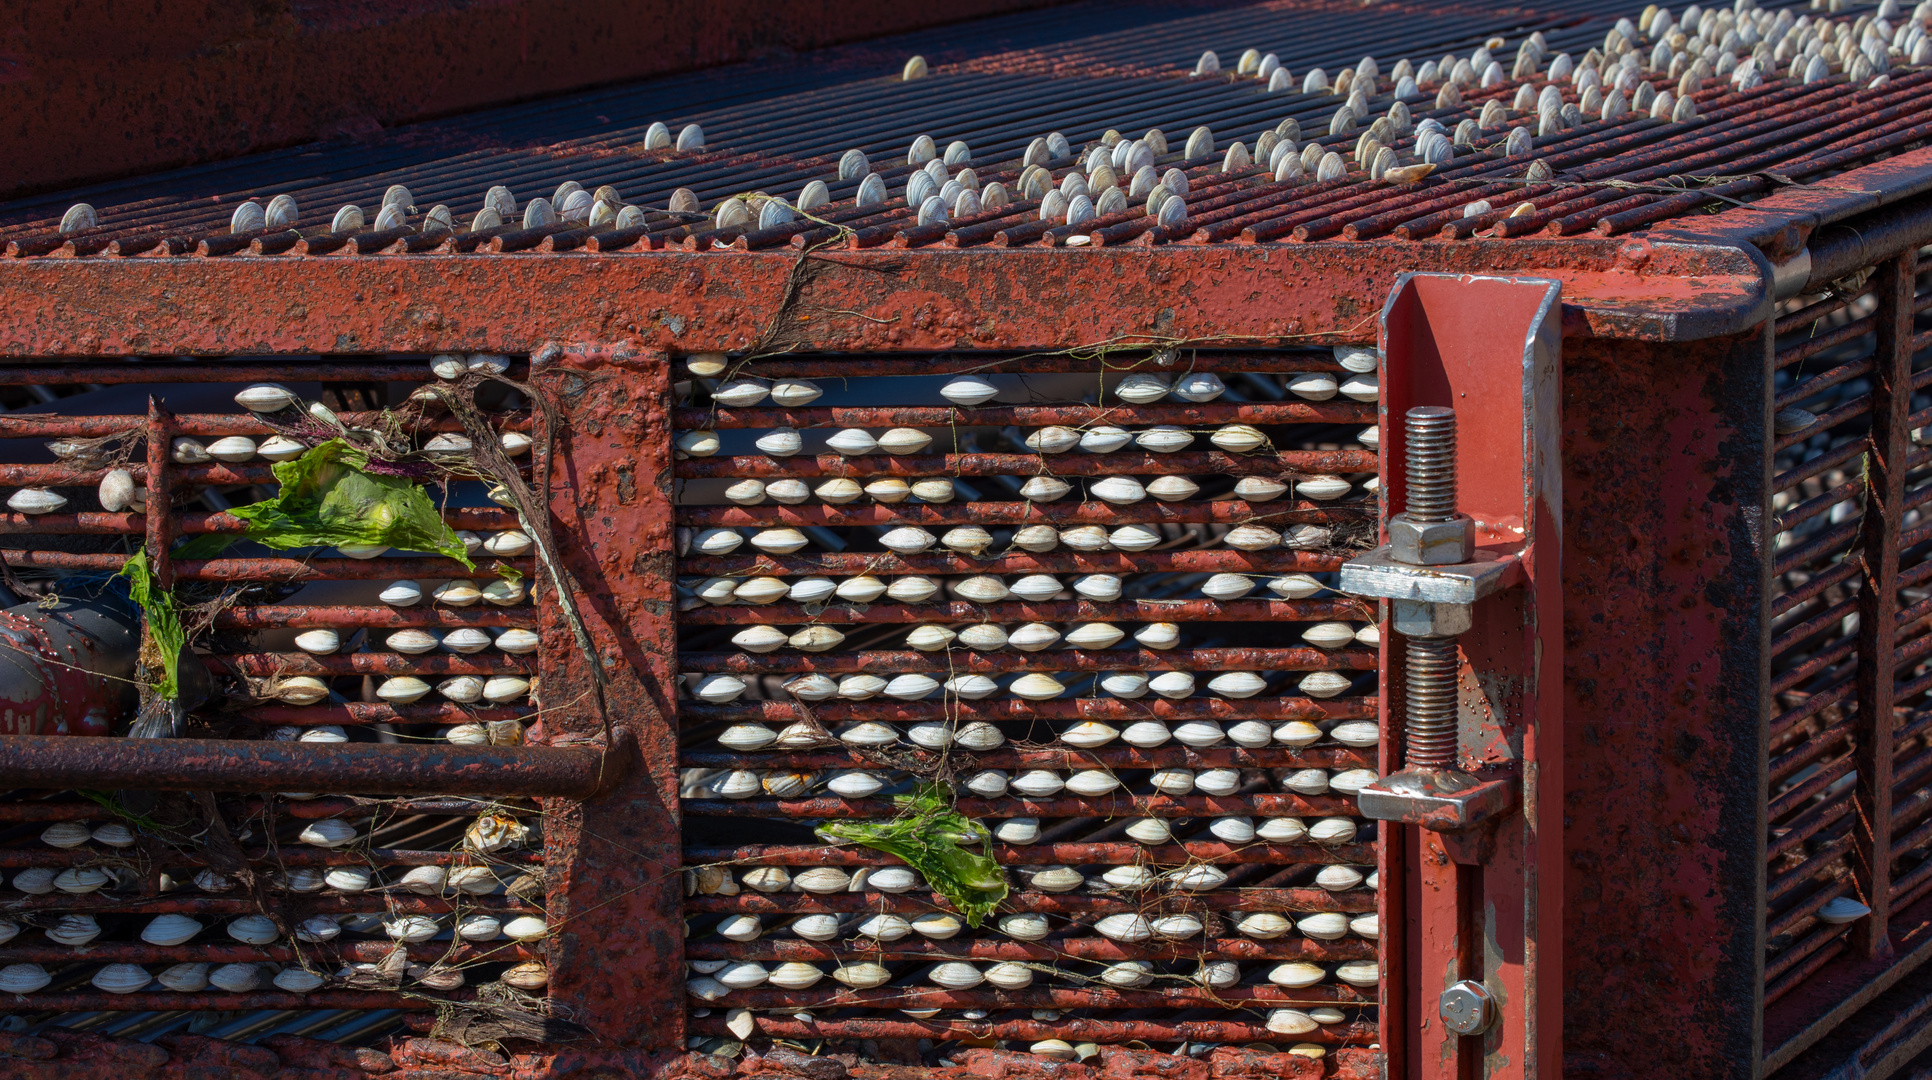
(1431,703)
(1430,436)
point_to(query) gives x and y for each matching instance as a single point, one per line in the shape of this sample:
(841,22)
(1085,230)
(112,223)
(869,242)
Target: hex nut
(1468,1008)
(1434,543)
(1425,619)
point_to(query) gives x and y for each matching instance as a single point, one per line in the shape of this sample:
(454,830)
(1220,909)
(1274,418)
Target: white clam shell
(1172,488)
(318,928)
(1129,877)
(741,392)
(328,833)
(779,442)
(969,390)
(1142,388)
(1037,538)
(1356,733)
(1259,488)
(1133,538)
(167,930)
(1232,830)
(1323,684)
(1089,733)
(1172,781)
(1025,926)
(1104,439)
(1055,879)
(265,397)
(1092,782)
(1037,686)
(1044,489)
(401,594)
(35,501)
(1119,490)
(1338,878)
(23,978)
(1153,830)
(189,452)
(74,930)
(1124,684)
(253,930)
(1252,538)
(904,441)
(1128,973)
(1237,684)
(1218,781)
(122,978)
(907,540)
(852,442)
(702,443)
(526,928)
(1239,438)
(66,834)
(1146,734)
(892,879)
(955,975)
(1332,830)
(1020,830)
(1281,830)
(1053,440)
(816,927)
(1329,635)
(937,925)
(1164,439)
(1126,926)
(81,879)
(1323,487)
(988,783)
(970,539)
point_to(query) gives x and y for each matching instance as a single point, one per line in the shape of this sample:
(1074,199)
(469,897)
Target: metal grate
(1108,619)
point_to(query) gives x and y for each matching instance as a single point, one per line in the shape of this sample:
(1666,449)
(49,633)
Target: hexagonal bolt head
(1467,1008)
(1424,619)
(1433,543)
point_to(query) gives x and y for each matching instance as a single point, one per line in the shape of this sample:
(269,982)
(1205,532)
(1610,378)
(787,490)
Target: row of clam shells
(423,880)
(1118,490)
(978,589)
(405,689)
(486,733)
(886,927)
(722,689)
(978,735)
(241,977)
(413,641)
(1011,975)
(1051,439)
(1030,637)
(1032,784)
(456,592)
(237,449)
(972,540)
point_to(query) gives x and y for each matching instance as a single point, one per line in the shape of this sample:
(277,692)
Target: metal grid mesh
(1058,600)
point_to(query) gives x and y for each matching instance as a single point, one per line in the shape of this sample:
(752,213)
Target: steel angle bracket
(1472,897)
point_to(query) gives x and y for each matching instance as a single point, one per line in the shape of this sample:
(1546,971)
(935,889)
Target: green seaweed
(162,623)
(327,500)
(927,835)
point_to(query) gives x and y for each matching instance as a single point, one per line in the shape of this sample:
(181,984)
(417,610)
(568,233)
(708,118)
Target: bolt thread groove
(1430,437)
(1431,703)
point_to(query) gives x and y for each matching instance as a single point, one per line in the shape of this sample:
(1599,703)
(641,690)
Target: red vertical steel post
(1885,471)
(1486,904)
(616,885)
(160,513)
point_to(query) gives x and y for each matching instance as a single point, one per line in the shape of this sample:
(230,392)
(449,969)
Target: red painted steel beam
(57,762)
(896,300)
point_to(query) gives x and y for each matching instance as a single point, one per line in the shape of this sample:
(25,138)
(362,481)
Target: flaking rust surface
(618,951)
(1229,295)
(1663,453)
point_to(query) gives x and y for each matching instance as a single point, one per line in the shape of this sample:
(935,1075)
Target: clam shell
(742,975)
(852,442)
(1053,440)
(981,589)
(889,489)
(907,540)
(1227,586)
(462,689)
(1259,488)
(328,833)
(1036,587)
(168,930)
(1836,912)
(1089,733)
(1352,781)
(1263,926)
(1281,830)
(815,639)
(1172,781)
(767,879)
(811,590)
(1329,635)
(862,589)
(23,978)
(402,690)
(66,834)
(910,687)
(1104,439)
(1037,686)
(970,539)
(739,393)
(1296,975)
(1218,781)
(1199,386)
(1198,877)
(74,930)
(1129,877)
(1172,684)
(1252,538)
(1044,489)
(1237,684)
(1250,733)
(1239,438)
(413,642)
(265,397)
(457,592)
(1332,830)
(1008,975)
(1158,636)
(969,390)
(741,928)
(350,879)
(1323,684)
(1175,927)
(1232,830)
(1092,782)
(253,930)
(1056,879)
(746,492)
(1119,490)
(116,491)
(297,980)
(1037,538)
(35,501)
(1033,637)
(822,880)
(317,928)
(860,687)
(892,879)
(778,541)
(811,687)
(81,879)
(1102,587)
(978,735)
(190,452)
(779,442)
(1307,782)
(815,927)
(1359,973)
(512,543)
(1172,488)
(912,589)
(1132,538)
(1020,830)
(1124,684)
(937,926)
(932,638)
(1126,926)
(988,783)
(1370,926)
(516,641)
(1356,733)
(530,975)
(789,492)
(737,784)
(1338,878)
(862,975)
(1142,388)
(1323,487)
(985,636)
(1164,439)
(699,443)
(401,594)
(526,928)
(1152,830)
(115,835)
(717,542)
(795,976)
(932,734)
(1128,973)
(1025,926)
(955,975)
(935,491)
(904,441)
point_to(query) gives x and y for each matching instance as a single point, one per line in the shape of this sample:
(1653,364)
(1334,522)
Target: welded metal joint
(1468,1008)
